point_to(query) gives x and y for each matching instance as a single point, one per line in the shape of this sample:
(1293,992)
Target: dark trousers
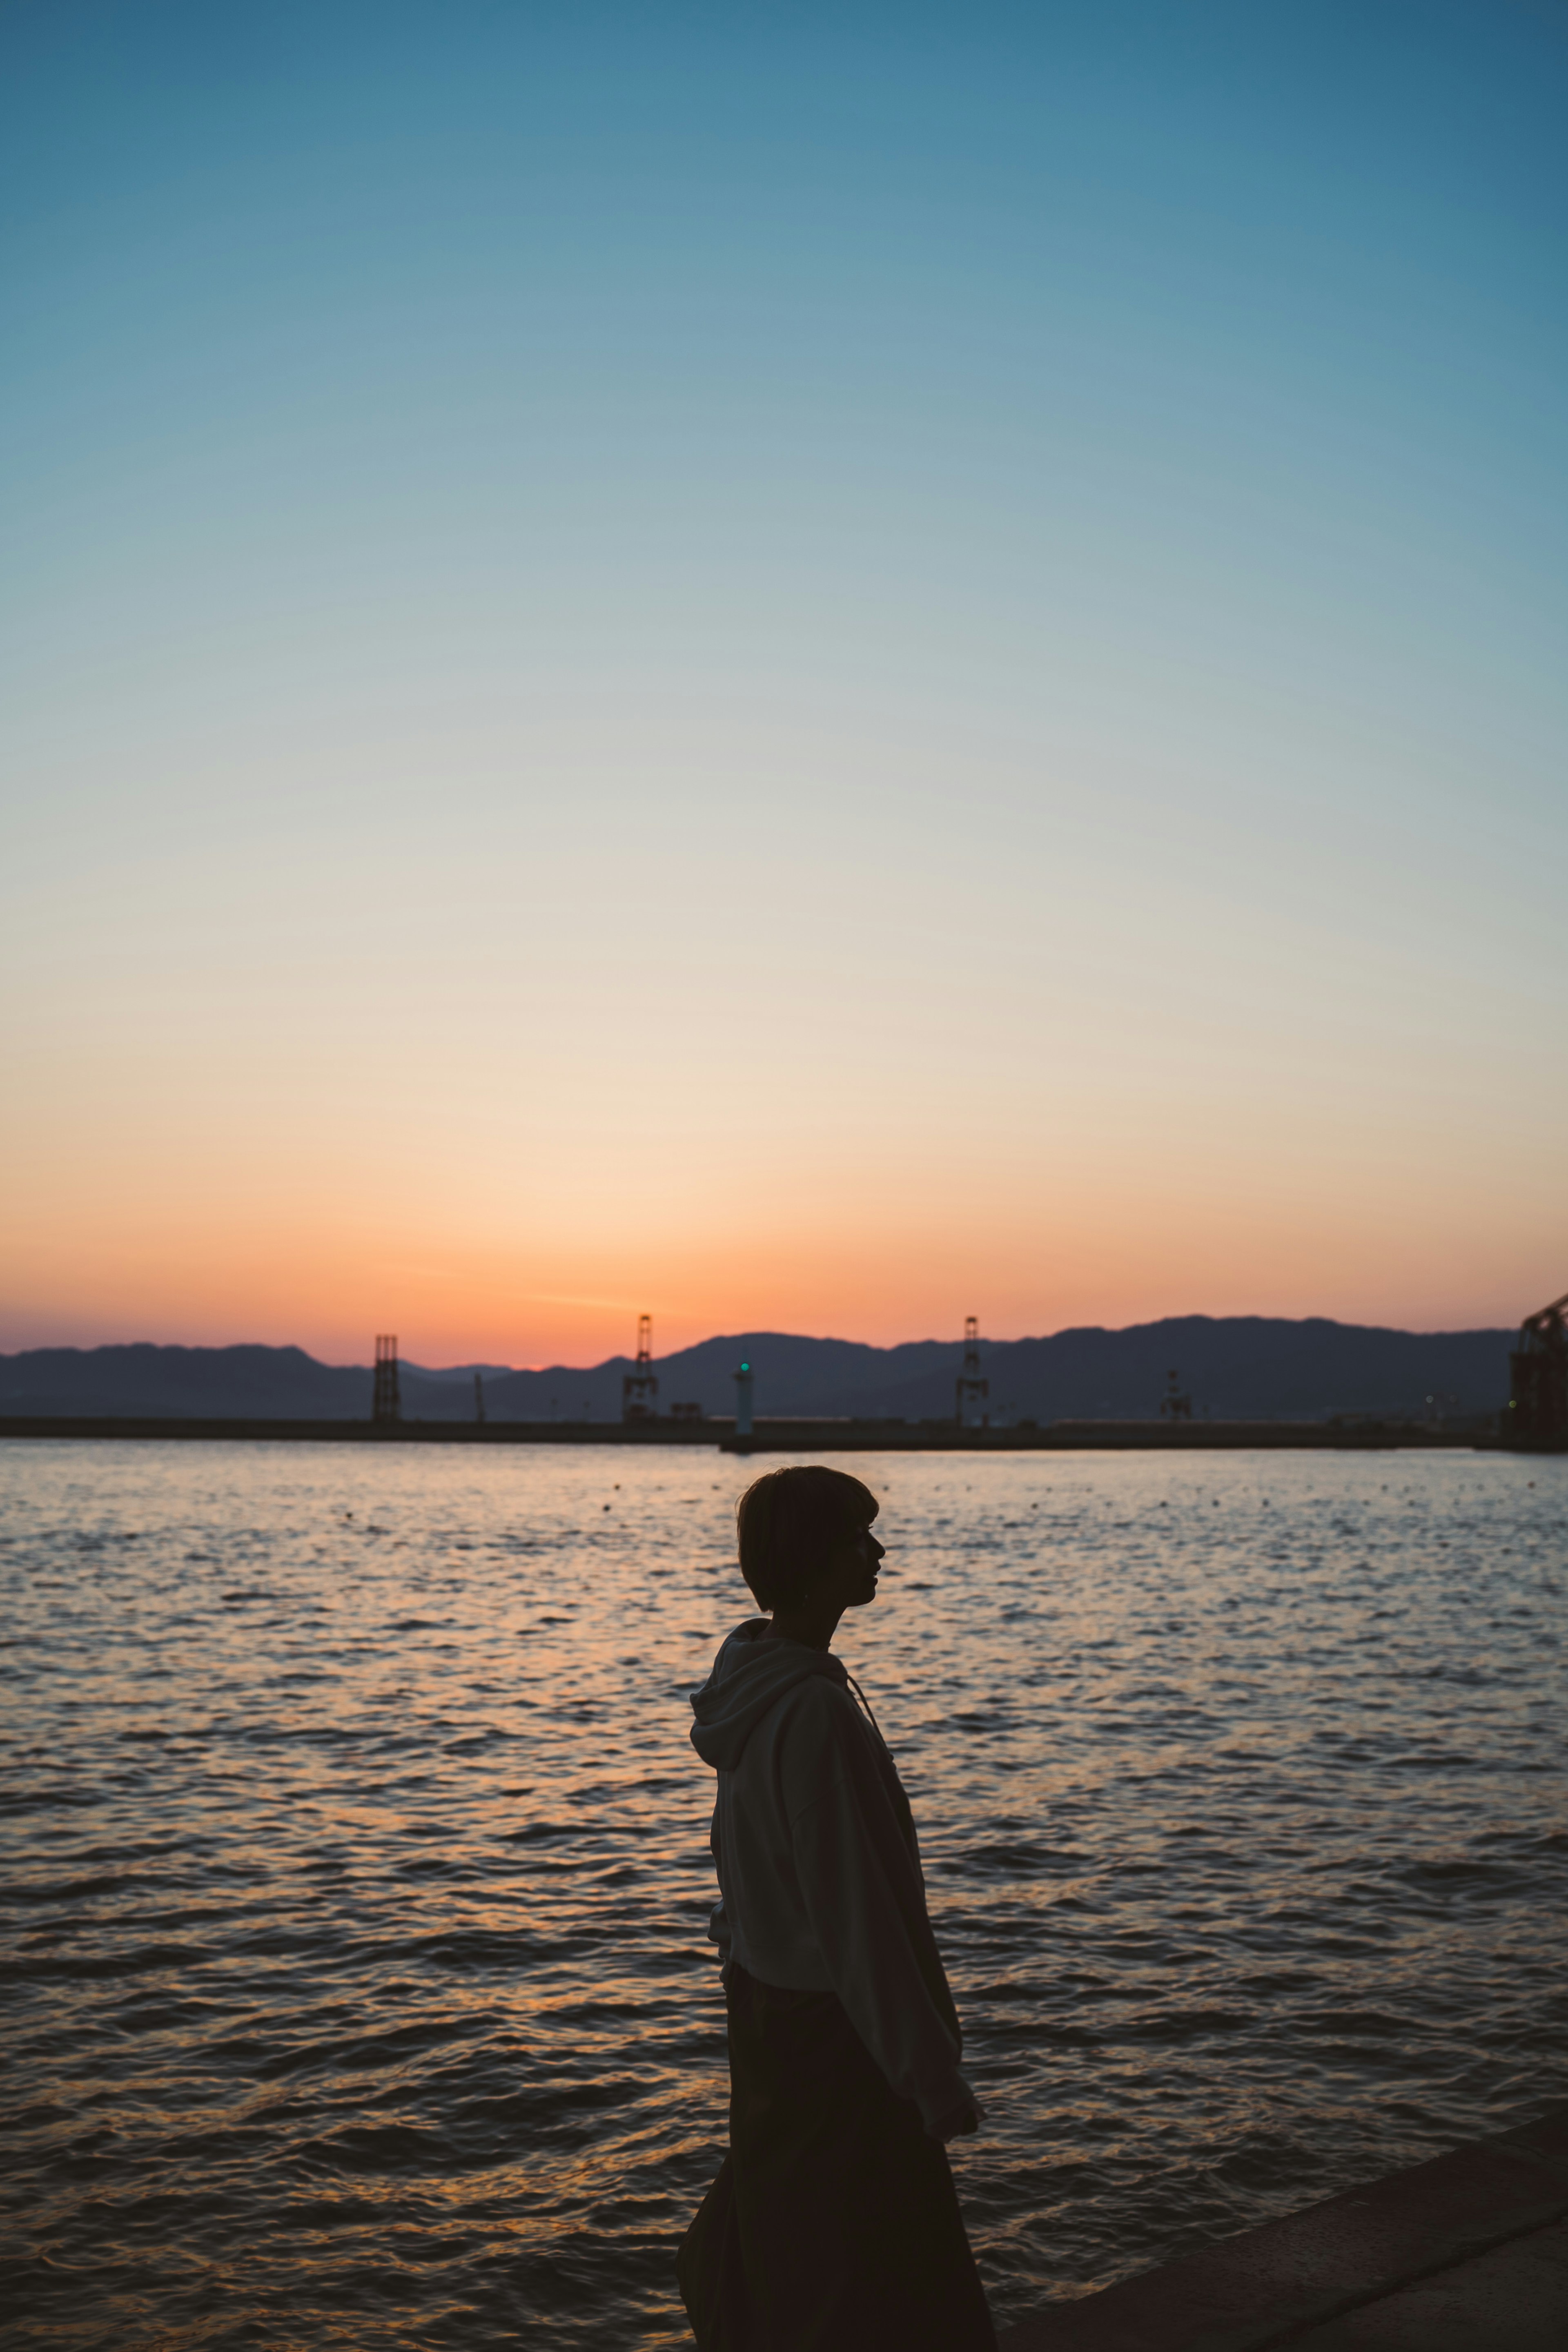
(833,2225)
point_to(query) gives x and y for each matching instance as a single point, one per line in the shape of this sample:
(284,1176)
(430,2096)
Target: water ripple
(356,1868)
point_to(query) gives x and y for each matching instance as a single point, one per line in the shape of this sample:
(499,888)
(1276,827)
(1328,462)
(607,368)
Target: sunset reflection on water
(357,1875)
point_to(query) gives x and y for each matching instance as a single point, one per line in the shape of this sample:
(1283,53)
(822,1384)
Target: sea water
(356,1867)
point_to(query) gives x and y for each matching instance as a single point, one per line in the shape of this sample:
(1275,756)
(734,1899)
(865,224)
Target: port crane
(1537,1414)
(639,1386)
(974,1410)
(385,1405)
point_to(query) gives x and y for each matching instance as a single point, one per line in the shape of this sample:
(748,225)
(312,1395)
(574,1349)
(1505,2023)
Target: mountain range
(1247,1367)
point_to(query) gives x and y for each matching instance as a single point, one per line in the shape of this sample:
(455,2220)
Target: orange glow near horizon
(208,1148)
(327,1283)
(214,1141)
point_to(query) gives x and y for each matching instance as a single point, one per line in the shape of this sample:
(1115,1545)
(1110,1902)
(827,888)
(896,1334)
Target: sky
(813,668)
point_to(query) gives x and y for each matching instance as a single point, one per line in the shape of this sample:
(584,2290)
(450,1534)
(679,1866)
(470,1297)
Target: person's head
(802,1523)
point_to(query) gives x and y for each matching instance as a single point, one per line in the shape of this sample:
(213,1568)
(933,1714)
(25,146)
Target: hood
(750,1675)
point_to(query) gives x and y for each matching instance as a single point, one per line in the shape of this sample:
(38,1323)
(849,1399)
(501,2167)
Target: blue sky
(947,605)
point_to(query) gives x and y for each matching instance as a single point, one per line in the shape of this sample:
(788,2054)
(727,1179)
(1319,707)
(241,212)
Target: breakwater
(783,1435)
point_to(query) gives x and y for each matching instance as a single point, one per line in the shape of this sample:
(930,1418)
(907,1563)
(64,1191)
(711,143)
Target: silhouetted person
(833,2225)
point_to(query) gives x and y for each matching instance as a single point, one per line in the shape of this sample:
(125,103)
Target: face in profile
(852,1564)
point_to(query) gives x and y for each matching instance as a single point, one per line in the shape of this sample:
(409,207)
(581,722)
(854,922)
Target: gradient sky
(822,669)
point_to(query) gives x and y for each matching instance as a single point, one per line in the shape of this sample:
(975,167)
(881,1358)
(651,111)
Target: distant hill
(237,1383)
(1235,1366)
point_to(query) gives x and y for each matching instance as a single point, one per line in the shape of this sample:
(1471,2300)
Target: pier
(786,1436)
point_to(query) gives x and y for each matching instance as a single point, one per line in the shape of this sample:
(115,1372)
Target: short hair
(790,1520)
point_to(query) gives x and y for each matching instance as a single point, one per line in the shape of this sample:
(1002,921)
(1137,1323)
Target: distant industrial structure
(385,1405)
(1536,1414)
(974,1390)
(1535,1420)
(639,1387)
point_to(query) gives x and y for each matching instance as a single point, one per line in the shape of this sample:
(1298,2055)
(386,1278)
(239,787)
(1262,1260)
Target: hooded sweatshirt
(818,1864)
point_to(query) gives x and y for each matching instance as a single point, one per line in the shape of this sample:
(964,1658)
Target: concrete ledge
(1514,2299)
(1475,2230)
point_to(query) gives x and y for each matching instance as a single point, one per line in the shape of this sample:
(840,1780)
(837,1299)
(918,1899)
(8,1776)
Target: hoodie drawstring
(865,1703)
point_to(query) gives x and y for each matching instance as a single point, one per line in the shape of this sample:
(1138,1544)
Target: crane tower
(974,1388)
(639,1387)
(384,1403)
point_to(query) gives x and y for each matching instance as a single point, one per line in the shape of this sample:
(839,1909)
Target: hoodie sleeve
(862,1890)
